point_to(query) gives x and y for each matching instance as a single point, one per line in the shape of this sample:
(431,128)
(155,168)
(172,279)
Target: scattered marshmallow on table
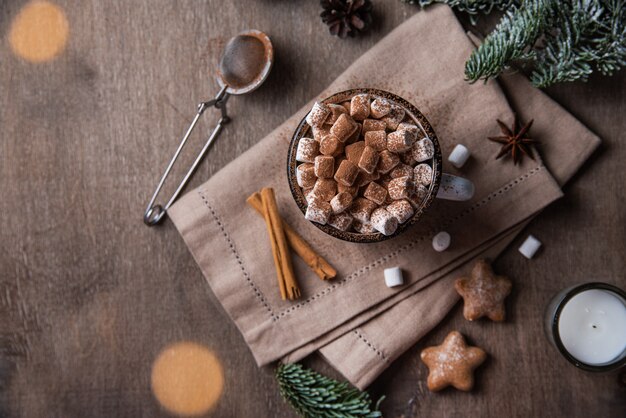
(393,277)
(530,247)
(441,241)
(459,156)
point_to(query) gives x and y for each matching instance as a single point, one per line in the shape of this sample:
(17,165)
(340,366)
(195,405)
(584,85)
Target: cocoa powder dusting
(243,61)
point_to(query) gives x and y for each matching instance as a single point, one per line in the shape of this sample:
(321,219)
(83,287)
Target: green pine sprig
(473,8)
(559,40)
(313,395)
(511,40)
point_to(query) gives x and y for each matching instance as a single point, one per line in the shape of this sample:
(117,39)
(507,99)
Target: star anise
(515,141)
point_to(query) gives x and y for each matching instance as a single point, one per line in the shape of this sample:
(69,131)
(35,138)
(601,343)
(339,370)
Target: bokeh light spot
(39,32)
(187,378)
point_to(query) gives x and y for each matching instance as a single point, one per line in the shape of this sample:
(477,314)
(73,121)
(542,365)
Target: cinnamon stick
(282,258)
(317,263)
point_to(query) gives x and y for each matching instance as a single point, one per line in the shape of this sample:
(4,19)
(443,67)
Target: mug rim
(303,128)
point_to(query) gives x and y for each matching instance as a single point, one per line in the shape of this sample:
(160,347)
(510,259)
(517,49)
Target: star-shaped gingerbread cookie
(452,363)
(483,293)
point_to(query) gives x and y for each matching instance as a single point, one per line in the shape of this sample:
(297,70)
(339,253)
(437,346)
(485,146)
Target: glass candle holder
(587,325)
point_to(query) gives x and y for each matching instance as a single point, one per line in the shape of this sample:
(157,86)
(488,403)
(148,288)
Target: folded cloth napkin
(348,318)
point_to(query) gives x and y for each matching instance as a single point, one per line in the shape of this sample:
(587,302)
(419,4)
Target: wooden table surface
(89,296)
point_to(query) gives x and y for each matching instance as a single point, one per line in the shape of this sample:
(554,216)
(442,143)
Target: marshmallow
(324,166)
(341,202)
(317,116)
(394,117)
(380,107)
(373,125)
(393,277)
(407,157)
(400,188)
(360,106)
(346,173)
(343,128)
(459,155)
(354,151)
(341,221)
(356,134)
(363,179)
(319,132)
(363,227)
(361,209)
(441,241)
(318,211)
(376,193)
(353,190)
(307,150)
(401,170)
(387,161)
(422,174)
(376,140)
(413,130)
(330,145)
(368,160)
(399,141)
(324,189)
(419,194)
(305,175)
(336,110)
(308,194)
(401,210)
(383,221)
(530,247)
(423,150)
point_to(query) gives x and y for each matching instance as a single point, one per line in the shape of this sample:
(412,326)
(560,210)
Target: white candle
(592,327)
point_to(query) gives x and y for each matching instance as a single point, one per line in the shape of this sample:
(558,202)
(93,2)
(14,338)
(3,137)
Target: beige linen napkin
(422,60)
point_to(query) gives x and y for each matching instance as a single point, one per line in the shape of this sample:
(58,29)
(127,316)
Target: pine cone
(347,17)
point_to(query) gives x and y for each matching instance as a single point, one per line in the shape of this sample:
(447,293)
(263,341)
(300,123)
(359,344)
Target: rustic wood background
(89,295)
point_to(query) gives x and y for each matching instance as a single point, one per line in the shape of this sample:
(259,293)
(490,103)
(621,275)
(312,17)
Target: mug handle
(455,188)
